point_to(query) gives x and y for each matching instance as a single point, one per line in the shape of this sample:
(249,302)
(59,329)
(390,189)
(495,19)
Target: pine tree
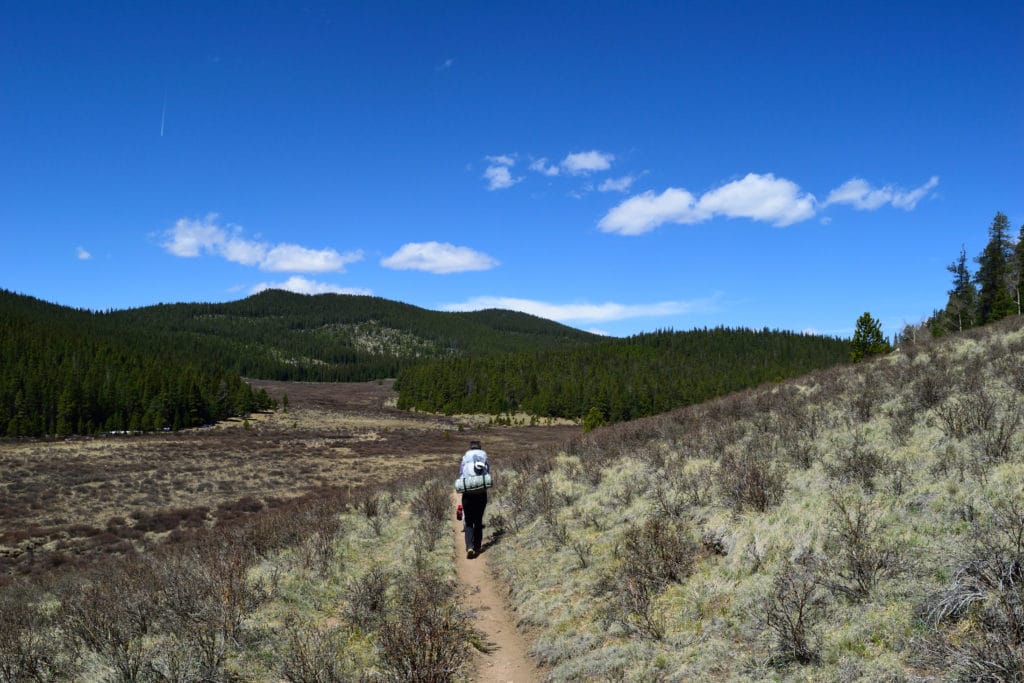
(994,299)
(961,308)
(868,339)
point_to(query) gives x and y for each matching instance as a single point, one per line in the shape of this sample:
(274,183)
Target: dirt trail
(507,661)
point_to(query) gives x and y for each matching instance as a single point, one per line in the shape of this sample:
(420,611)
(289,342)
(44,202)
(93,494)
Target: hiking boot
(470,553)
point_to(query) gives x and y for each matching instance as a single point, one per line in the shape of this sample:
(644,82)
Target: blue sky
(619,167)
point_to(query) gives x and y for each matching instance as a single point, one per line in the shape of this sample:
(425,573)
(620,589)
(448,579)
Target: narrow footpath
(507,660)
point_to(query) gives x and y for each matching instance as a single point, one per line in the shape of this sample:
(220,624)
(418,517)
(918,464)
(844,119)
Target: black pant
(473,504)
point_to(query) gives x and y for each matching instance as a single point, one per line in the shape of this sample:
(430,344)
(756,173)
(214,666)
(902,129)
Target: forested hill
(71,371)
(335,337)
(617,379)
(66,371)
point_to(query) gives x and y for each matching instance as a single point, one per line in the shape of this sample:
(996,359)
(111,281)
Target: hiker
(474,464)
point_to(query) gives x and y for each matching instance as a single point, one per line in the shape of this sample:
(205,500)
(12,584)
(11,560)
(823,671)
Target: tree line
(617,380)
(63,372)
(990,293)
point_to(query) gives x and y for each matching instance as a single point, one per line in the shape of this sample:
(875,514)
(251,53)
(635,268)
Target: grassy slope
(878,477)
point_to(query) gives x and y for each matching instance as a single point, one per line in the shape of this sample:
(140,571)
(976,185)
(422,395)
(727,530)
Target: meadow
(289,546)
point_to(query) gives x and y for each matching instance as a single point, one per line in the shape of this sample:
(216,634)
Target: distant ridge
(340,337)
(69,370)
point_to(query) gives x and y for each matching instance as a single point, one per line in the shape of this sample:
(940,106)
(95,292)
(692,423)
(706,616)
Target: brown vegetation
(63,501)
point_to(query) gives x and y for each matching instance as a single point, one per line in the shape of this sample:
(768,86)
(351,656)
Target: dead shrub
(114,613)
(527,496)
(994,445)
(793,610)
(650,557)
(929,383)
(430,506)
(856,462)
(966,415)
(208,596)
(750,479)
(29,648)
(1010,369)
(594,456)
(374,507)
(902,420)
(367,599)
(310,654)
(978,620)
(317,525)
(424,636)
(858,553)
(867,394)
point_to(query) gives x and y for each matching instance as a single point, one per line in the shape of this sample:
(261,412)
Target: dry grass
(856,524)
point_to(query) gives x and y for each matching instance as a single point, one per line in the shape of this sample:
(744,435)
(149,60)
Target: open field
(64,500)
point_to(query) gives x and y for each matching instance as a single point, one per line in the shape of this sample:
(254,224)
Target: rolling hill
(72,371)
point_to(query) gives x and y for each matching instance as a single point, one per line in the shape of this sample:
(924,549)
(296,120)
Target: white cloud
(859,194)
(580,311)
(499,174)
(644,212)
(581,163)
(501,160)
(499,178)
(82,254)
(541,166)
(191,238)
(616,184)
(438,257)
(238,250)
(293,258)
(445,65)
(758,197)
(301,285)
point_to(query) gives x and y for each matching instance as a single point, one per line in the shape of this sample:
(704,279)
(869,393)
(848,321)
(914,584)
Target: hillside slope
(64,371)
(617,379)
(858,523)
(335,337)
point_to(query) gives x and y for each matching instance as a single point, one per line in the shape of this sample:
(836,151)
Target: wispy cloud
(582,163)
(438,257)
(445,65)
(759,197)
(499,173)
(301,285)
(541,166)
(82,254)
(191,238)
(616,184)
(582,312)
(859,194)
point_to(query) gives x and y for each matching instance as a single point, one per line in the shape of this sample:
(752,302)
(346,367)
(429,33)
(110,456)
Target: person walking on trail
(474,464)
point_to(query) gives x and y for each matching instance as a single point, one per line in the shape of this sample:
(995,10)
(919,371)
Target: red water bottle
(458,512)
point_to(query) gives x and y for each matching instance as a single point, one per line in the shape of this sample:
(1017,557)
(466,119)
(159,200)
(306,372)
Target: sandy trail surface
(507,660)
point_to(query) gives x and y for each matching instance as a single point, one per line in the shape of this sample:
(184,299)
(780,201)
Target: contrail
(163,115)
